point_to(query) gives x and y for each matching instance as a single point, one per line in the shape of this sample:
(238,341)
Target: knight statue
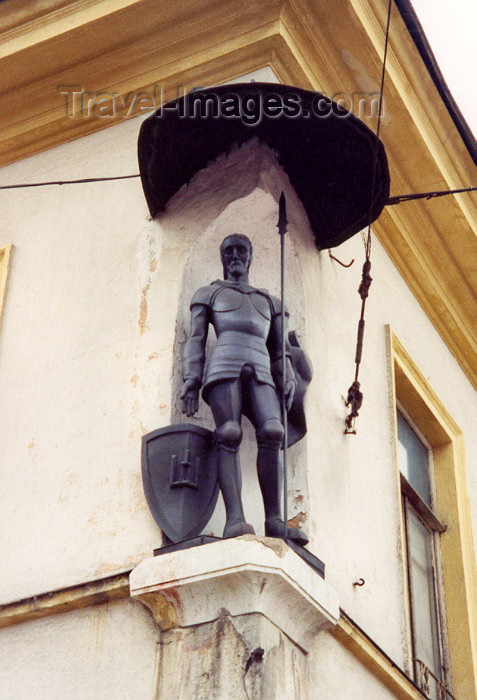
(243,375)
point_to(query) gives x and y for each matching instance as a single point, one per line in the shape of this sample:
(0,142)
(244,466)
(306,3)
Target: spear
(282,229)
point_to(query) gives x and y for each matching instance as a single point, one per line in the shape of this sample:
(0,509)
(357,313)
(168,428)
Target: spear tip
(282,215)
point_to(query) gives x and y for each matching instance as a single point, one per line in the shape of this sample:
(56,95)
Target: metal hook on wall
(339,261)
(359,582)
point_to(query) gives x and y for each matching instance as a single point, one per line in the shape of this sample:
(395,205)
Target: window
(422,528)
(438,562)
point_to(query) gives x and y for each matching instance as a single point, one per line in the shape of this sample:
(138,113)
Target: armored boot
(276,528)
(269,439)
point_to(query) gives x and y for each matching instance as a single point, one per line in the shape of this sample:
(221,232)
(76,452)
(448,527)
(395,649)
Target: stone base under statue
(306,555)
(237,617)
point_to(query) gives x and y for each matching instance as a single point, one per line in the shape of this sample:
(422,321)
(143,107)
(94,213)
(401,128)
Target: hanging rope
(355,395)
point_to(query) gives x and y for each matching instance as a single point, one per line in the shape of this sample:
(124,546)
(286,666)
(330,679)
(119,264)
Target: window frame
(414,505)
(426,512)
(418,402)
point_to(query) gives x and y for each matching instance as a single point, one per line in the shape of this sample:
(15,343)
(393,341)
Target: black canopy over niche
(327,152)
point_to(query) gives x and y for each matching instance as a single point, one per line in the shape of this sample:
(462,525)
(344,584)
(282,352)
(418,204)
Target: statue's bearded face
(236,256)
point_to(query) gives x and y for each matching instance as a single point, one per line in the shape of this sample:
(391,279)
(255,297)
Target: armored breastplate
(241,312)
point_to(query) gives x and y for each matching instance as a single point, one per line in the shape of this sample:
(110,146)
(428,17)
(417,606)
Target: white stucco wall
(335,674)
(107,651)
(86,366)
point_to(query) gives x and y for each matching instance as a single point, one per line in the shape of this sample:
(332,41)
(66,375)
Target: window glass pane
(423,600)
(413,459)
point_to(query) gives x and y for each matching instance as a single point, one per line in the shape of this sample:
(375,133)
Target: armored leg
(263,409)
(269,440)
(225,401)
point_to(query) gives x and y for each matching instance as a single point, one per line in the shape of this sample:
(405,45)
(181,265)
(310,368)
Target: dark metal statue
(242,376)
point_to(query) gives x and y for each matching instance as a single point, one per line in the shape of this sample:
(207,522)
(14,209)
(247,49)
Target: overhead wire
(68,182)
(396,199)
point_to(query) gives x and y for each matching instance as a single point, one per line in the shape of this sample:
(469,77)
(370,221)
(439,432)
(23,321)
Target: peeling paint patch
(148,254)
(94,519)
(128,563)
(34,452)
(163,609)
(278,546)
(298,520)
(142,320)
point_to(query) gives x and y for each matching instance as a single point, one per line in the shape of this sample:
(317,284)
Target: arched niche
(240,194)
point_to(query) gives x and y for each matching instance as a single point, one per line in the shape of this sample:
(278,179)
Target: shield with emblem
(180,479)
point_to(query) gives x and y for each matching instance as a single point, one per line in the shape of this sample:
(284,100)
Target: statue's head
(236,254)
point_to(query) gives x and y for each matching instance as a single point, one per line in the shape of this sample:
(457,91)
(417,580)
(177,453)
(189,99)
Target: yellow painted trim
(459,569)
(83,595)
(401,71)
(374,659)
(4,265)
(402,548)
(25,23)
(437,291)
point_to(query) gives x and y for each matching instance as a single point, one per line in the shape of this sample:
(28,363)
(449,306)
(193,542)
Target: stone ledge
(239,576)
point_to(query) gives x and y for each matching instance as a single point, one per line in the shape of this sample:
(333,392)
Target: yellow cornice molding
(197,47)
(131,45)
(23,23)
(374,659)
(82,595)
(434,125)
(47,129)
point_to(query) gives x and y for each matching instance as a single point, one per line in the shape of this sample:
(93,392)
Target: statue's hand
(290,387)
(190,397)
(290,384)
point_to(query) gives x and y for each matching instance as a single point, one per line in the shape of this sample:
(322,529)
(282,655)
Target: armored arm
(194,353)
(274,344)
